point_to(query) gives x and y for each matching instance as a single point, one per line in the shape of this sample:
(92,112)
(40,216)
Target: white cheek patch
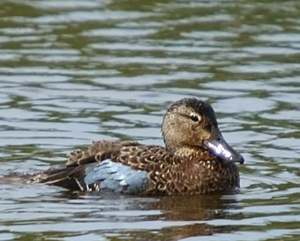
(219,149)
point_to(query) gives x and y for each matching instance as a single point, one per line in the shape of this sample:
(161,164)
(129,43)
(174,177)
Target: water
(76,71)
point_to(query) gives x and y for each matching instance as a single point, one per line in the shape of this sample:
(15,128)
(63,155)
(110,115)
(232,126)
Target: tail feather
(67,177)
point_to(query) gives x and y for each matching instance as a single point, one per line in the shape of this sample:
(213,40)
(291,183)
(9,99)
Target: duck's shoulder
(146,157)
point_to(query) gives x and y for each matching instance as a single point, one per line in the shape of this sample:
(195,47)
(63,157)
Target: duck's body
(196,159)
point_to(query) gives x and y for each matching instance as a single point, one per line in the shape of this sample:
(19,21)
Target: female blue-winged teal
(195,160)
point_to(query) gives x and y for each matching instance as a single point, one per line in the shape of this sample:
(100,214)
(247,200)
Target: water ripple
(76,71)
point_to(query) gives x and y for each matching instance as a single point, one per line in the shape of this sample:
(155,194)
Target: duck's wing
(71,176)
(134,170)
(126,169)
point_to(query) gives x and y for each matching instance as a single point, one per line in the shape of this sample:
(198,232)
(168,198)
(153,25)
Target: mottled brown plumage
(196,159)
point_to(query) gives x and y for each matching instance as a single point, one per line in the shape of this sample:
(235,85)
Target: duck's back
(119,166)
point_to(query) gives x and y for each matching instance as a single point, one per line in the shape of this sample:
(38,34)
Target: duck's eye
(194,117)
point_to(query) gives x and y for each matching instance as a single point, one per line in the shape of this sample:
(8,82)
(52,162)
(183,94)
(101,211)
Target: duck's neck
(195,153)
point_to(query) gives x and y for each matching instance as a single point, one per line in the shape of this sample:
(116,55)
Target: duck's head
(191,123)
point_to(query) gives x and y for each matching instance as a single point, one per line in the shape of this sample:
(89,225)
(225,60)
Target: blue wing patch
(116,177)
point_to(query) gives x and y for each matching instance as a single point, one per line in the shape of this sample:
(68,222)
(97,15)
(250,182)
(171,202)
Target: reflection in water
(191,213)
(186,216)
(76,71)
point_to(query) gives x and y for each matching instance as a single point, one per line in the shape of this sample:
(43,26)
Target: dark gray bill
(219,148)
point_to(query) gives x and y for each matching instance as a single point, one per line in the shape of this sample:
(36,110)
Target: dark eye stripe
(194,117)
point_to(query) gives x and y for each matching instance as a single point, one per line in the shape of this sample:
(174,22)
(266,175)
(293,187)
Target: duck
(196,159)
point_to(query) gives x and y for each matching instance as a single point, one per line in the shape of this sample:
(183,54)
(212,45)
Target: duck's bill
(219,148)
